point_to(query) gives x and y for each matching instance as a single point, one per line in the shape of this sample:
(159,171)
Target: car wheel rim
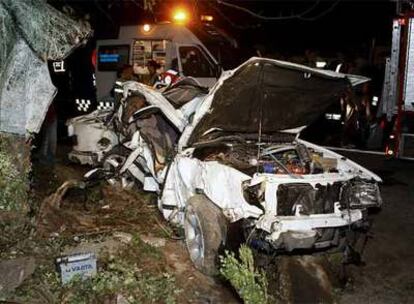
(194,238)
(113,164)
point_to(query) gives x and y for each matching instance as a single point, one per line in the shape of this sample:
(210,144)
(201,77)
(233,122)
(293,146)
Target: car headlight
(361,194)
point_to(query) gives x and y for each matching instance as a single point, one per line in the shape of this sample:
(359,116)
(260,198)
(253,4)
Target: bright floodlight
(180,15)
(146,28)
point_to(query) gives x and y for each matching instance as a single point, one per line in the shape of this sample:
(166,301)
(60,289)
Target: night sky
(349,26)
(330,26)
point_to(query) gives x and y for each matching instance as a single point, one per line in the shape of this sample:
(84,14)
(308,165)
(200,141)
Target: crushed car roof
(270,96)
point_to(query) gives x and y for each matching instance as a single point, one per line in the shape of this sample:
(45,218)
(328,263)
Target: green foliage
(124,274)
(135,271)
(122,278)
(13,184)
(249,283)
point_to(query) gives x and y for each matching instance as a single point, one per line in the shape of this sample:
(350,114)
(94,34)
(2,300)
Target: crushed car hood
(270,96)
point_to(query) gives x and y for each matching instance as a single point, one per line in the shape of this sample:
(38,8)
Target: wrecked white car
(237,161)
(96,134)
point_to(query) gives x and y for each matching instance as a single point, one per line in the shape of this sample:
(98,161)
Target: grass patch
(13,182)
(137,271)
(120,277)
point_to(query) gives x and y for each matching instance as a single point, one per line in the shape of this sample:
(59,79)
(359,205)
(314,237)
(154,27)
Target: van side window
(194,63)
(112,57)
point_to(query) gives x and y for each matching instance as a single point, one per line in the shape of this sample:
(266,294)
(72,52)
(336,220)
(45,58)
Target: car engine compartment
(250,157)
(292,161)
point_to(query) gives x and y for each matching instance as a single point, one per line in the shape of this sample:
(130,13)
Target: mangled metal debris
(234,156)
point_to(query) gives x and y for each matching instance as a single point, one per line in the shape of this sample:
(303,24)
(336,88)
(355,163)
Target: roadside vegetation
(13,180)
(135,273)
(249,282)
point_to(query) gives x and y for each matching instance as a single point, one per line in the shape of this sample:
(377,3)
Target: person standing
(153,75)
(49,136)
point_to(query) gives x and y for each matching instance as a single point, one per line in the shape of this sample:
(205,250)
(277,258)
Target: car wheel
(112,163)
(205,230)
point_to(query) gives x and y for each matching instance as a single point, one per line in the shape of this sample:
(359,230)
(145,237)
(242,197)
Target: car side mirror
(144,113)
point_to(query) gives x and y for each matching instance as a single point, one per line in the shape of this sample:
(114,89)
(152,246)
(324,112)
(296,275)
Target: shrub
(250,284)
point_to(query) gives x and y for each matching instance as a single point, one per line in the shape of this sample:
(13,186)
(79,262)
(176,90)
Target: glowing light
(146,28)
(390,152)
(332,116)
(321,64)
(374,101)
(180,15)
(207,18)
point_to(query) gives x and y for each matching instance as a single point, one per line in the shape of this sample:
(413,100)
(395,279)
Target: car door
(158,127)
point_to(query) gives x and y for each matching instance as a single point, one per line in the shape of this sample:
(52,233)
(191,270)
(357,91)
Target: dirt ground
(105,210)
(386,277)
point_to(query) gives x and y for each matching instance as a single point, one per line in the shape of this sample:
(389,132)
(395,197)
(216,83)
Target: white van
(173,46)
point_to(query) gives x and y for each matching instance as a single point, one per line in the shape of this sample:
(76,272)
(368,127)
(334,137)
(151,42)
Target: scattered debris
(81,212)
(83,265)
(106,244)
(153,241)
(124,237)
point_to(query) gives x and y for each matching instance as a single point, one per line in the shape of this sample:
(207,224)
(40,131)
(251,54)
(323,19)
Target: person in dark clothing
(49,136)
(152,67)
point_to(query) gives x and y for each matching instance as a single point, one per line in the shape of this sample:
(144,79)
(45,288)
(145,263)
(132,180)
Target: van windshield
(145,50)
(194,62)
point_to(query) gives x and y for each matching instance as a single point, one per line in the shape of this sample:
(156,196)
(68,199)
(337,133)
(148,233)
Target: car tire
(112,162)
(205,230)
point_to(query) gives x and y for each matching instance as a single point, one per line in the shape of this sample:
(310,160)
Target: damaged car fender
(221,184)
(344,164)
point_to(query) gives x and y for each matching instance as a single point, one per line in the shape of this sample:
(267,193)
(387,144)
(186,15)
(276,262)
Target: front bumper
(301,231)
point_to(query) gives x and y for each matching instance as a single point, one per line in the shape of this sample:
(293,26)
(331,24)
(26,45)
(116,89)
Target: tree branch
(269,18)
